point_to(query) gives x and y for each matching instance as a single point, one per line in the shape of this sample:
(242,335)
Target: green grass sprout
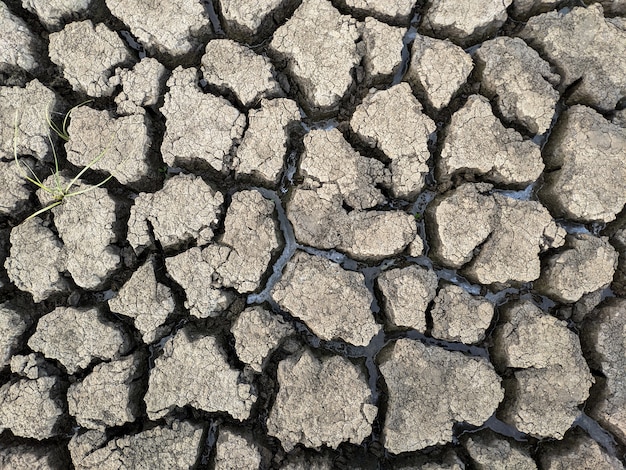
(58,192)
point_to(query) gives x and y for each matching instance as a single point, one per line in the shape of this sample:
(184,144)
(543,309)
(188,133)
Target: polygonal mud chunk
(520,81)
(252,234)
(586,266)
(176,445)
(233,67)
(333,302)
(603,340)
(195,273)
(249,21)
(585,154)
(236,450)
(407,293)
(392,121)
(316,30)
(13,324)
(201,135)
(383,49)
(146,300)
(87,56)
(85,224)
(390,11)
(476,141)
(459,316)
(374,235)
(186,208)
(319,220)
(577,450)
(194,370)
(444,388)
(329,159)
(15,194)
(141,86)
(543,397)
(321,402)
(30,106)
(511,254)
(124,142)
(19,47)
(54,13)
(257,334)
(583,45)
(36,260)
(489,451)
(261,153)
(78,337)
(168,27)
(437,69)
(464,22)
(460,221)
(33,456)
(32,408)
(109,396)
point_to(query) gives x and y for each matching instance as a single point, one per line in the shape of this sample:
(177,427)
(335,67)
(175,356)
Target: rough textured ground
(313,234)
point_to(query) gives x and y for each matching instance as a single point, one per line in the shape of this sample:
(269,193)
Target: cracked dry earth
(354,234)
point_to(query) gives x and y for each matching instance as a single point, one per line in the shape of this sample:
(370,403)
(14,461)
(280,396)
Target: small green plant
(59,191)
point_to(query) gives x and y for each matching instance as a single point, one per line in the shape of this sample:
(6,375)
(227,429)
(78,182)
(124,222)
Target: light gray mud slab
(202,135)
(392,121)
(445,388)
(194,370)
(459,316)
(123,142)
(333,302)
(585,45)
(521,82)
(40,456)
(78,337)
(263,147)
(109,396)
(577,450)
(55,13)
(250,21)
(406,294)
(13,324)
(175,445)
(87,54)
(464,22)
(230,66)
(26,108)
(165,27)
(320,402)
(437,69)
(602,339)
(487,450)
(36,260)
(142,86)
(383,49)
(20,49)
(549,369)
(145,300)
(477,142)
(316,30)
(237,450)
(258,332)
(586,181)
(186,208)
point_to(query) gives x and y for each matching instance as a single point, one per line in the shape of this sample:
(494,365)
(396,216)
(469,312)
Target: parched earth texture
(353,234)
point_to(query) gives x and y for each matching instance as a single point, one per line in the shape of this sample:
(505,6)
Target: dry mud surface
(354,234)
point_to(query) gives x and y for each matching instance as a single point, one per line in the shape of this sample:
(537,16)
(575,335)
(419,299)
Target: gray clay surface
(312,234)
